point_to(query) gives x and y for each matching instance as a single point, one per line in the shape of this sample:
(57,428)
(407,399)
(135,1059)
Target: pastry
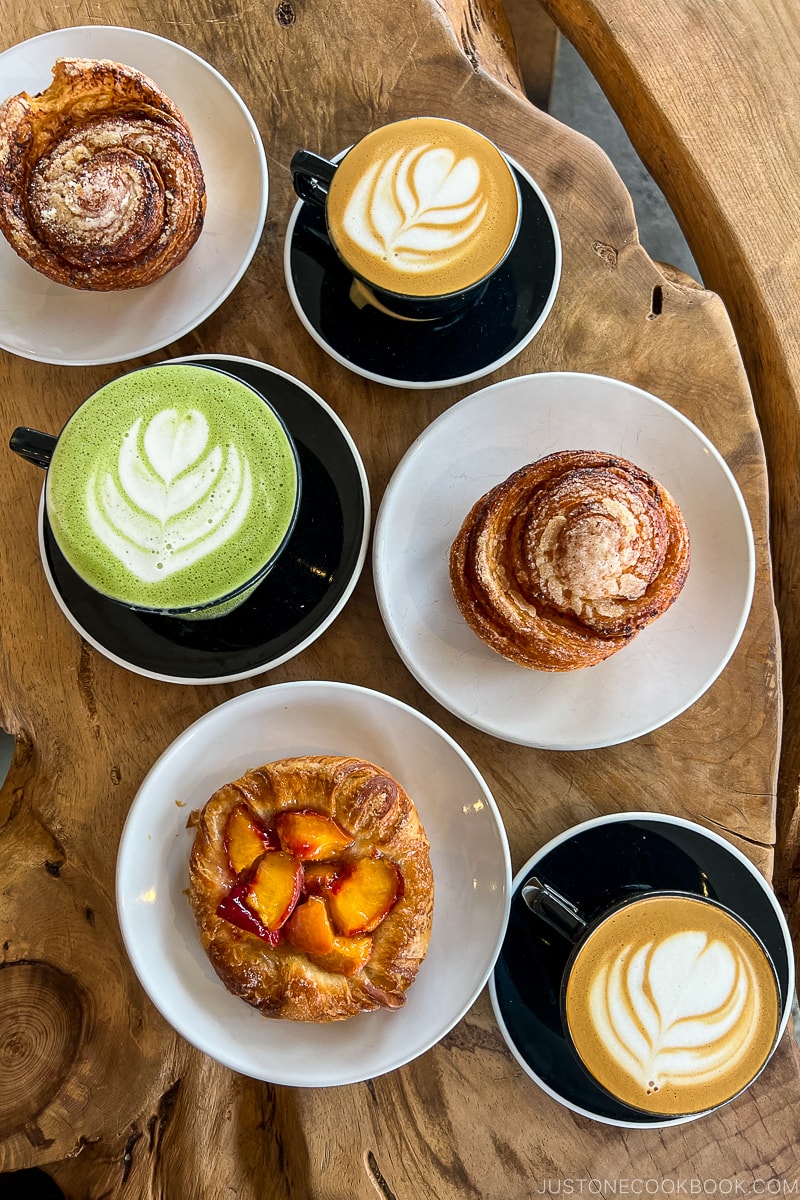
(101,188)
(311,885)
(563,563)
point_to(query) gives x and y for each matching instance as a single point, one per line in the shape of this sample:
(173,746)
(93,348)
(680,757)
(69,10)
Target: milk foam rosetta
(423,207)
(171,498)
(171,487)
(674,1007)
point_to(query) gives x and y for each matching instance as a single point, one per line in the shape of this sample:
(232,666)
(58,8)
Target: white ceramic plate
(476,444)
(469,854)
(46,321)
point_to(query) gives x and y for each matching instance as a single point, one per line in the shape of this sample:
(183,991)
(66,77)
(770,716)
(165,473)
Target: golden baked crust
(100,185)
(380,820)
(563,563)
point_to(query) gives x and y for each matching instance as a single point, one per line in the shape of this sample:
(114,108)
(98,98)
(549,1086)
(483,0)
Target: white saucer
(469,855)
(478,443)
(48,322)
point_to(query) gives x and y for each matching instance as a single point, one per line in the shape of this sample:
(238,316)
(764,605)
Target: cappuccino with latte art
(423,207)
(671,1004)
(421,213)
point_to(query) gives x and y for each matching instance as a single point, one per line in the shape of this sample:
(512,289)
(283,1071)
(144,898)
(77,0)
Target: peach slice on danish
(347,956)
(309,927)
(311,836)
(363,894)
(246,840)
(274,888)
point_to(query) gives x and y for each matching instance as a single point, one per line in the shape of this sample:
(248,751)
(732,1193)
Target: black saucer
(300,597)
(595,866)
(479,339)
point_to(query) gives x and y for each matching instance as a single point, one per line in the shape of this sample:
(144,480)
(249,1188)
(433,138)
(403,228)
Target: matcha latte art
(172,488)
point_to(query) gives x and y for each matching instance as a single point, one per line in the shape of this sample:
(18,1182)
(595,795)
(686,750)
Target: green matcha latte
(172,487)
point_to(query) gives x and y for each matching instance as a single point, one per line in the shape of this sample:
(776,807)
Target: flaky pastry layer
(563,563)
(101,188)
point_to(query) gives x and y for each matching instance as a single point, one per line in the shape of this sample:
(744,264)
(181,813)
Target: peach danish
(101,188)
(563,563)
(312,889)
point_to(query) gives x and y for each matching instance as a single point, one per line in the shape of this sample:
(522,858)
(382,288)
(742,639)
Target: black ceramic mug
(422,212)
(173,489)
(669,1001)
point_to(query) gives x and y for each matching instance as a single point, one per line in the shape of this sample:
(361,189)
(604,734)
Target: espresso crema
(423,207)
(672,1005)
(171,487)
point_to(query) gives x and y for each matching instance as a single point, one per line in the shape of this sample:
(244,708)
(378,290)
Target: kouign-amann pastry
(311,885)
(563,563)
(101,188)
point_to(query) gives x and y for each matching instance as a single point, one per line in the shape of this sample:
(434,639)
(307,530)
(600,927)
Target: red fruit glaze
(233,908)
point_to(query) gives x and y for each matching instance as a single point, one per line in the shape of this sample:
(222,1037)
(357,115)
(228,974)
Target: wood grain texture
(711,102)
(111,1100)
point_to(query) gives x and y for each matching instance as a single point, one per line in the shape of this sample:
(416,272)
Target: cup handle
(33,445)
(311,176)
(560,913)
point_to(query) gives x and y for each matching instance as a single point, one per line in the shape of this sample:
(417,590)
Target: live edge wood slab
(93,1085)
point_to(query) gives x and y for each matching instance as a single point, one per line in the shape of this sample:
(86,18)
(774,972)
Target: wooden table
(93,1084)
(711,106)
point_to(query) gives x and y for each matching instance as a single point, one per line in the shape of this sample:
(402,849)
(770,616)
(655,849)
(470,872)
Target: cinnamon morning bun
(311,885)
(101,188)
(564,562)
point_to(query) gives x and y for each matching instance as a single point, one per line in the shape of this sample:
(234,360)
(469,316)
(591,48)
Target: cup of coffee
(669,1001)
(422,212)
(172,489)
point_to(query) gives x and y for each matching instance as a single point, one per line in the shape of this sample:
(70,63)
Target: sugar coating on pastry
(311,885)
(564,562)
(101,188)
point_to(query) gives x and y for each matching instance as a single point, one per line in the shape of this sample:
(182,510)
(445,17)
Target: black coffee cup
(638,991)
(225,488)
(499,219)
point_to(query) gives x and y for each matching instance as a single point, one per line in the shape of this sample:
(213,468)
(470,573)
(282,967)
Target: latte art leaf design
(171,498)
(675,1011)
(419,207)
